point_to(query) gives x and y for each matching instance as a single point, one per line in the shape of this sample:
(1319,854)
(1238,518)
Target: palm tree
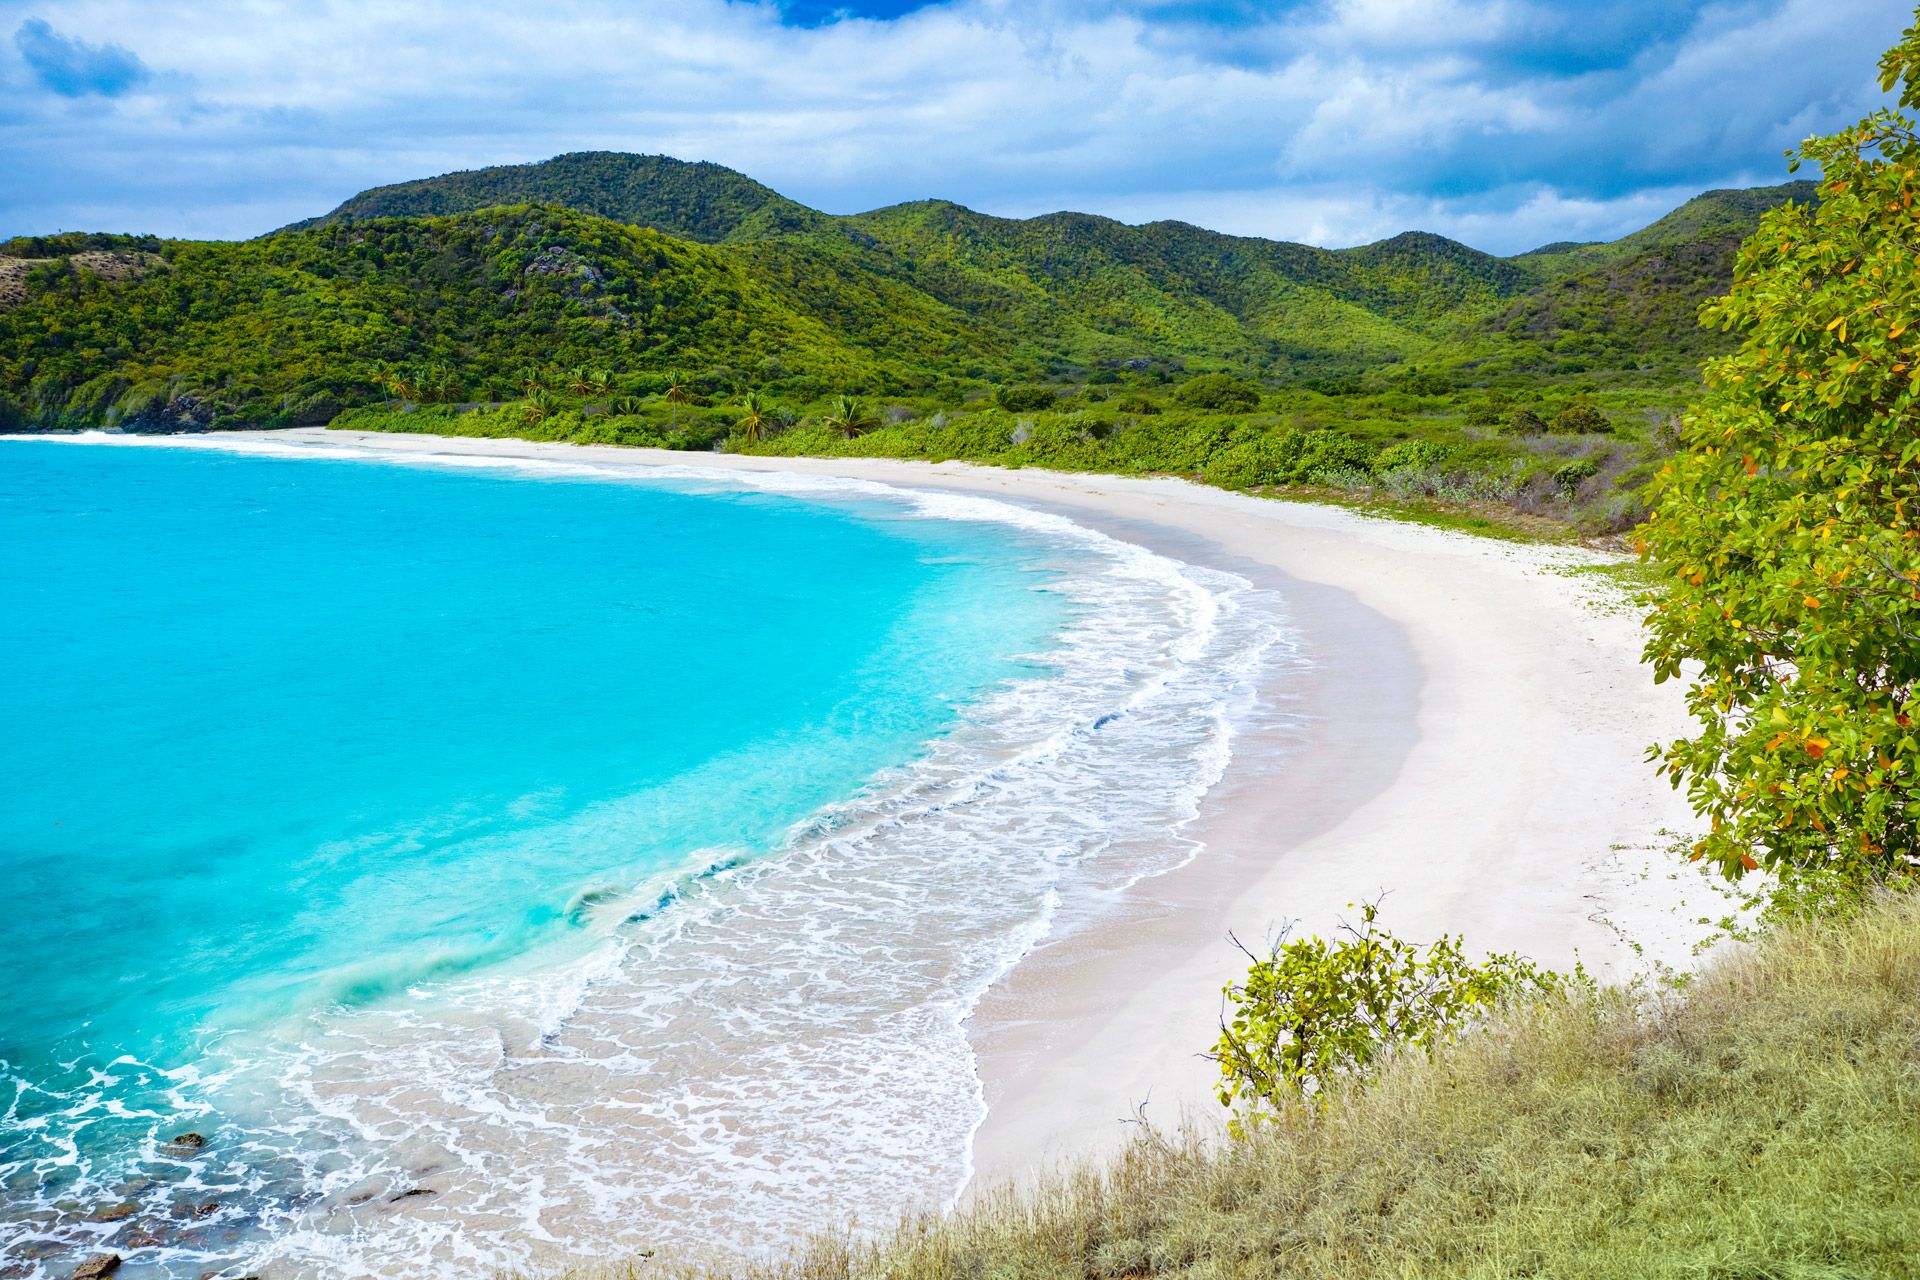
(848,417)
(628,406)
(756,417)
(392,387)
(676,396)
(540,406)
(580,382)
(441,383)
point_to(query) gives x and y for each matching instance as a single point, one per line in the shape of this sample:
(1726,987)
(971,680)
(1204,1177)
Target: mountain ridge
(707,270)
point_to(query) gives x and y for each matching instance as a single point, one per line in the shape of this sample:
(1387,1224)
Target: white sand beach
(1478,719)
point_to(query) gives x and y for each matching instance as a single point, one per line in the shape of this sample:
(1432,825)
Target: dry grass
(1764,1125)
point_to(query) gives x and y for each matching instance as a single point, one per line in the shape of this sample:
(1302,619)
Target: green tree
(1787,528)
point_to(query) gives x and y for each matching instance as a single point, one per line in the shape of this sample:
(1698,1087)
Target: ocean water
(504,863)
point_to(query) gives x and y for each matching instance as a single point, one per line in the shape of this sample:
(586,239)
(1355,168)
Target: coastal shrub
(1285,457)
(1786,529)
(1571,475)
(1525,422)
(1219,392)
(1024,399)
(1581,419)
(1314,1012)
(1411,454)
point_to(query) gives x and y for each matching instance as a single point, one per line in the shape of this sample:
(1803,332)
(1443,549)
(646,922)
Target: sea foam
(757,1048)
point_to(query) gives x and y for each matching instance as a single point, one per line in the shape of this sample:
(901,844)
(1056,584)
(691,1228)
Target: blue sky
(1505,123)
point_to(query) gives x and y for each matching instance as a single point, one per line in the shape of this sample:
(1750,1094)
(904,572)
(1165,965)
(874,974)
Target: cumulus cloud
(1504,122)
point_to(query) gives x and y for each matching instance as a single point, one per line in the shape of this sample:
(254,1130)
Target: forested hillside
(639,299)
(738,287)
(704,202)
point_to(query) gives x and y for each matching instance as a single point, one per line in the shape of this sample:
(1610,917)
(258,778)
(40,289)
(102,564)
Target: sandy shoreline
(1474,750)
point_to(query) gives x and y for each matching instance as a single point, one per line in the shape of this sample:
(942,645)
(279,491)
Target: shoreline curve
(1473,750)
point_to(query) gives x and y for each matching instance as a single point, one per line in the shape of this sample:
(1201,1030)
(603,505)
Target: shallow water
(609,862)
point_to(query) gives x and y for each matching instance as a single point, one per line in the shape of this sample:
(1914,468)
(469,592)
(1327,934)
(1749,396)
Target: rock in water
(103,1264)
(114,1213)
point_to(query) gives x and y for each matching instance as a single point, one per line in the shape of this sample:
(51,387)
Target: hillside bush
(1411,454)
(1024,399)
(1286,457)
(1581,419)
(1571,475)
(1219,392)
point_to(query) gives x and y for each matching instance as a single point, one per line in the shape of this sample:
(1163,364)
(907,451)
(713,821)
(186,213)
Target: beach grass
(1761,1124)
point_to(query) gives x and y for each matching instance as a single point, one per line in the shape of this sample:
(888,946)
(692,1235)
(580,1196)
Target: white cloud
(1333,122)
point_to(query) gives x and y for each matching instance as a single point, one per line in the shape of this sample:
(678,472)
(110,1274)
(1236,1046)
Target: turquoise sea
(455,847)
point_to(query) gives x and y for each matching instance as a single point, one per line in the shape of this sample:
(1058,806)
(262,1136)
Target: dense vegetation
(704,202)
(586,289)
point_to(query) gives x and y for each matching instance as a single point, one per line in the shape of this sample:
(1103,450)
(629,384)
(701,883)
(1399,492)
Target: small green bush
(1312,1013)
(1581,419)
(1286,457)
(1024,399)
(1570,475)
(1525,422)
(1411,454)
(1219,392)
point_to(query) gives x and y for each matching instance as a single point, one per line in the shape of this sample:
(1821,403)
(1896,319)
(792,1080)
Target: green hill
(294,327)
(643,265)
(1634,301)
(703,202)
